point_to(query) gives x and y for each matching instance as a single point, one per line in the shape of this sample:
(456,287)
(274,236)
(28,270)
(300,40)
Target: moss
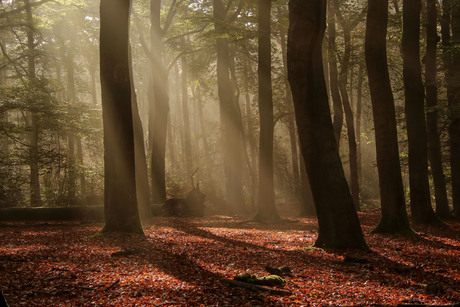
(270,280)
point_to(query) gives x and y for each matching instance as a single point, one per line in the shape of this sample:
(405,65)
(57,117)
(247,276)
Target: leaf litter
(185,261)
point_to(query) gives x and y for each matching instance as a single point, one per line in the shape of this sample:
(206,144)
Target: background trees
(207,73)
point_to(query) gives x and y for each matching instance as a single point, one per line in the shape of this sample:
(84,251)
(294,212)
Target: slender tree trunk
(434,143)
(394,216)
(158,108)
(250,137)
(80,162)
(71,140)
(349,118)
(333,73)
(230,115)
(35,192)
(120,199)
(266,209)
(338,221)
(451,51)
(359,101)
(290,119)
(420,201)
(186,118)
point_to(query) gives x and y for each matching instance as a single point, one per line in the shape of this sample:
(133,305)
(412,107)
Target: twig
(256,287)
(112,285)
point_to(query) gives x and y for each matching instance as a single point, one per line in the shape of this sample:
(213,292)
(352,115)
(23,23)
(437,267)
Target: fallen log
(256,287)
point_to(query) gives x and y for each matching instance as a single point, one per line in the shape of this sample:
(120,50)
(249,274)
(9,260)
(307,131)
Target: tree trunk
(307,204)
(232,129)
(35,192)
(333,73)
(338,221)
(120,199)
(252,159)
(266,209)
(420,201)
(451,52)
(434,143)
(394,216)
(71,100)
(349,118)
(158,108)
(186,118)
(359,101)
(290,119)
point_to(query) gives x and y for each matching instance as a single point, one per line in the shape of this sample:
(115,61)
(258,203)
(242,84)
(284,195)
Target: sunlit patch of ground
(183,261)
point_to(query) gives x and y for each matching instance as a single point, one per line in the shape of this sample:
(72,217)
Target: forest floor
(185,261)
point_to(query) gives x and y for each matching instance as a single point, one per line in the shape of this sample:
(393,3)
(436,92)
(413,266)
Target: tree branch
(236,13)
(144,45)
(19,9)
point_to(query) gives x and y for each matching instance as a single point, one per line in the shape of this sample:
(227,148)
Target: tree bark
(35,191)
(338,221)
(307,204)
(359,100)
(158,108)
(230,116)
(420,202)
(434,143)
(349,118)
(333,73)
(451,53)
(394,216)
(120,199)
(266,209)
(186,118)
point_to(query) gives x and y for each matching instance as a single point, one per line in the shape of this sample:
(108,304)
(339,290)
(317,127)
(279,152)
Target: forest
(229,152)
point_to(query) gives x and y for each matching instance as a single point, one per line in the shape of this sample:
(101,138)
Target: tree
(266,209)
(451,55)
(333,71)
(348,26)
(230,114)
(338,221)
(120,199)
(434,143)
(35,193)
(159,107)
(420,200)
(394,216)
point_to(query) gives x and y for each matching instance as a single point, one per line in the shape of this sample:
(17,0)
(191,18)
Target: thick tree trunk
(120,199)
(266,209)
(420,202)
(232,129)
(333,72)
(158,108)
(338,221)
(434,143)
(307,204)
(394,216)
